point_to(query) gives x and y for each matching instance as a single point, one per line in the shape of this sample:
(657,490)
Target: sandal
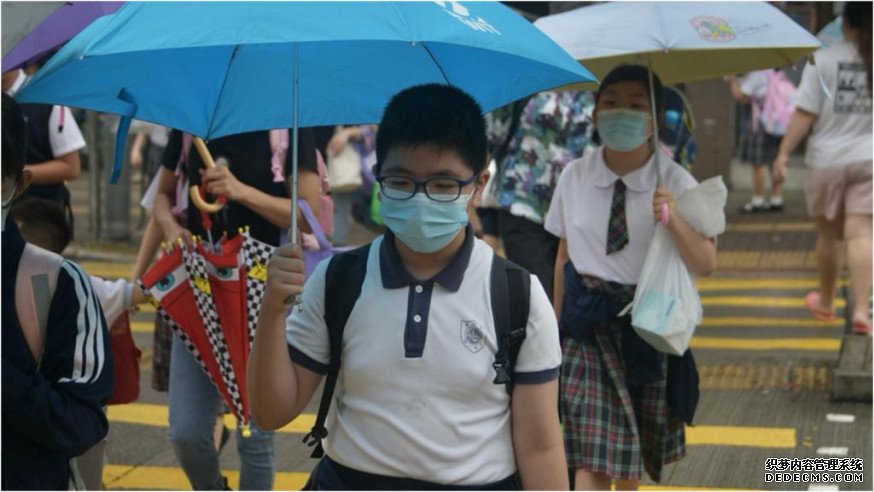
(861,327)
(812,303)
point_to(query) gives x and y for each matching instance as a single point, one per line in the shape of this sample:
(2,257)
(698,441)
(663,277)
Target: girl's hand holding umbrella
(285,277)
(662,198)
(219,181)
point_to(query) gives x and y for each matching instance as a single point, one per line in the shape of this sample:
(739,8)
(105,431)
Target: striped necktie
(617,229)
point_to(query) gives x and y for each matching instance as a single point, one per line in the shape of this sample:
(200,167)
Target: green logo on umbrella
(713,29)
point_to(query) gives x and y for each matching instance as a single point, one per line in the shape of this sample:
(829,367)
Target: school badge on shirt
(472,336)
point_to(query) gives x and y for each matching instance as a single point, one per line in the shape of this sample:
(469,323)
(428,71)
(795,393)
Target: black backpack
(510,287)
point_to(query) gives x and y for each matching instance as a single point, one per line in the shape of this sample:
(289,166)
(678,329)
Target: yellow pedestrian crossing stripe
(706,322)
(107,270)
(171,478)
(770,226)
(158,415)
(759,437)
(812,344)
(729,284)
(759,302)
(768,322)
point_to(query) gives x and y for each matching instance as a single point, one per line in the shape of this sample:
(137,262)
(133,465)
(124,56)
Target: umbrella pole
(655,140)
(292,233)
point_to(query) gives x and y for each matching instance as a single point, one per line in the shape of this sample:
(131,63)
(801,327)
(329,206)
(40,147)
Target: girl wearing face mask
(619,419)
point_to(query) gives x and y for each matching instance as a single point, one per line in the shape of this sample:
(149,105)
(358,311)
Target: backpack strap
(343,281)
(511,287)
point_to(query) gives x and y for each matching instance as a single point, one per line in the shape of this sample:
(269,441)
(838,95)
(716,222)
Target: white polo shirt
(580,213)
(415,397)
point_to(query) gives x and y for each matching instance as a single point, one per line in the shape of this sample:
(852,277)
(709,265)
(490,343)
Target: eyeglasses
(437,189)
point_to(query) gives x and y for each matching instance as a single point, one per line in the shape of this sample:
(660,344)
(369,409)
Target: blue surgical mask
(423,224)
(622,129)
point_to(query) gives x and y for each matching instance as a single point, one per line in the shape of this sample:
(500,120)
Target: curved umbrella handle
(194,193)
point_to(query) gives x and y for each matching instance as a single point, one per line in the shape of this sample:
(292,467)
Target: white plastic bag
(666,306)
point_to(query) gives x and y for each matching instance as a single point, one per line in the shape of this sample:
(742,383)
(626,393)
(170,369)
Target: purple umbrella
(58,28)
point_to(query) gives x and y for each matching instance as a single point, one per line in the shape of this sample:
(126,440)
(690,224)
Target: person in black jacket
(54,385)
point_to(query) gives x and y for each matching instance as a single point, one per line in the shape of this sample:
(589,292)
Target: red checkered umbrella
(216,295)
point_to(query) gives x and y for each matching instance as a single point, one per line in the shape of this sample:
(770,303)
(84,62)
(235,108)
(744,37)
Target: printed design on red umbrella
(255,255)
(167,286)
(227,283)
(195,266)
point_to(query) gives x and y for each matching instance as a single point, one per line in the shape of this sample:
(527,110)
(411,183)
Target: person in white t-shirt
(834,108)
(758,147)
(619,420)
(416,406)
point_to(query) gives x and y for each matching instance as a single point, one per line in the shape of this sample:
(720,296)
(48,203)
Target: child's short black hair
(434,114)
(14,139)
(42,223)
(635,73)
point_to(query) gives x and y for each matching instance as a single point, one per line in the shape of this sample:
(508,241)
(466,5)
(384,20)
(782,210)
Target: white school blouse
(580,212)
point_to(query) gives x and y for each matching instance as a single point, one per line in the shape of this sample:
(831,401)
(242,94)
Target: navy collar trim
(395,274)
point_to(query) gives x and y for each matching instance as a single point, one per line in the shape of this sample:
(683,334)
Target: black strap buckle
(501,374)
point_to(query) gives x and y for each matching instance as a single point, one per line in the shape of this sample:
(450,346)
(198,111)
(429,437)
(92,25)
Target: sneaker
(775,207)
(752,208)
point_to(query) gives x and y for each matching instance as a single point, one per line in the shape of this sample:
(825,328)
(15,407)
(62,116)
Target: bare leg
(858,236)
(828,240)
(776,190)
(627,484)
(759,180)
(586,480)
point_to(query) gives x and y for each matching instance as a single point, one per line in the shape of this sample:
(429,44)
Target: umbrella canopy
(831,33)
(19,18)
(58,27)
(221,68)
(682,41)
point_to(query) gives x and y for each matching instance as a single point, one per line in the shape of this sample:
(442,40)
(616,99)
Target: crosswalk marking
(813,344)
(760,301)
(768,322)
(759,437)
(173,478)
(770,226)
(733,284)
(762,437)
(157,415)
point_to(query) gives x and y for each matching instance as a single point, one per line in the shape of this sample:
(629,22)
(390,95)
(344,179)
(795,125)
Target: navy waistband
(331,475)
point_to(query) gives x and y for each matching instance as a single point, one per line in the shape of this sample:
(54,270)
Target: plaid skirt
(759,148)
(611,424)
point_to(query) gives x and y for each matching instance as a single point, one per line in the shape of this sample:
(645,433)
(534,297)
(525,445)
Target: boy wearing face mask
(623,403)
(415,406)
(55,385)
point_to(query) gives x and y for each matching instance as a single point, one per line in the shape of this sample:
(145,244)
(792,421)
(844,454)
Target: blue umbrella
(222,68)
